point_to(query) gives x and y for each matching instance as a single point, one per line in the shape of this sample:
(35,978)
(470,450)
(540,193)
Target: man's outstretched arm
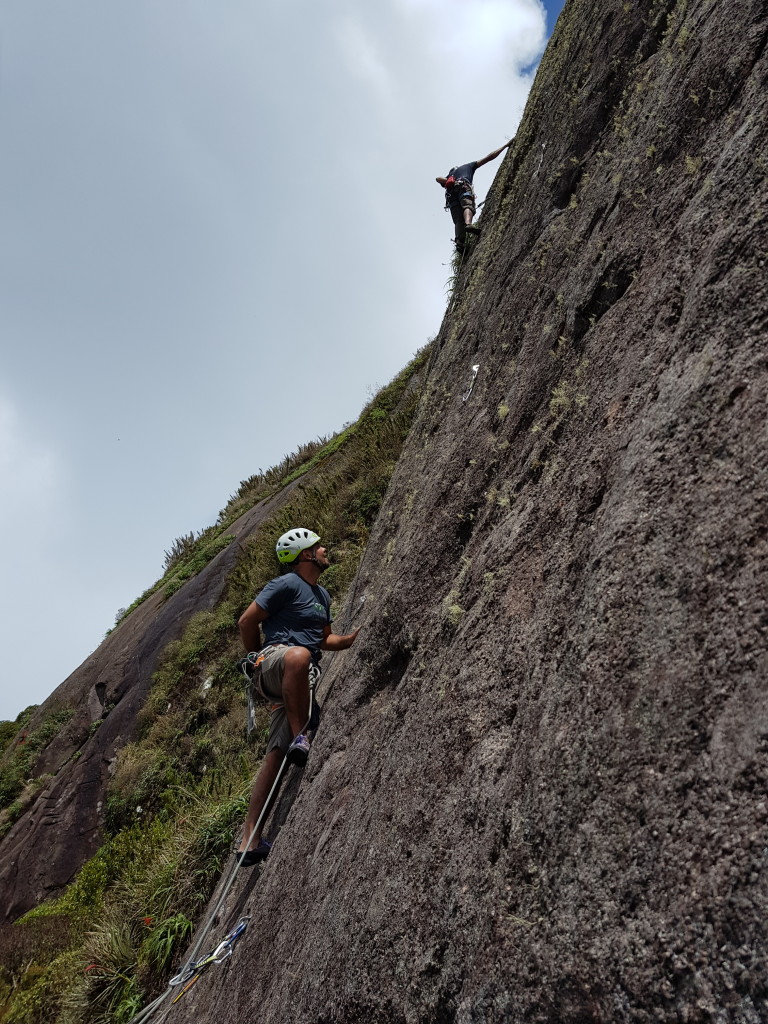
(494,154)
(334,642)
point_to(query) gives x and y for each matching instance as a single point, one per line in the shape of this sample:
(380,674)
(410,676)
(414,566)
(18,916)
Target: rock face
(539,790)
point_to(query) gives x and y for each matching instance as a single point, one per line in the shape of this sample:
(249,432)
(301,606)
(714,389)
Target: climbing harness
(456,191)
(190,968)
(193,970)
(314,678)
(472,380)
(254,690)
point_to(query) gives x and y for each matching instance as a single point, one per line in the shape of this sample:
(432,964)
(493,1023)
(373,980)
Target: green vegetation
(458,260)
(185,560)
(568,398)
(8,730)
(177,796)
(18,759)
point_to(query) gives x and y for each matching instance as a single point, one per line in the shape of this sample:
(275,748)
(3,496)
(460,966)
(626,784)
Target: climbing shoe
(473,228)
(261,852)
(298,752)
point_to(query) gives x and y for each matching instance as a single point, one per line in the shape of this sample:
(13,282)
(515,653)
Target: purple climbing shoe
(298,752)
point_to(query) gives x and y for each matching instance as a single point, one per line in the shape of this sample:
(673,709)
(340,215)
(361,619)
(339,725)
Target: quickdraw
(472,380)
(193,970)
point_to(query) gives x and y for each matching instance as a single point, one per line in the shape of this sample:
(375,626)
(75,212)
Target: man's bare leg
(296,702)
(265,780)
(468,225)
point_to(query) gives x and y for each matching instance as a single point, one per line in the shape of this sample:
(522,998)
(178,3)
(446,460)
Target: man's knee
(297,659)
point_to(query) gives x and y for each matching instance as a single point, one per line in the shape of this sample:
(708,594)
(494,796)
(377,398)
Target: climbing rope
(190,967)
(354,609)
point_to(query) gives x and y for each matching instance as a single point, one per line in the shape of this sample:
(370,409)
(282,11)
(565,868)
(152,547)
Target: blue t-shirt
(298,612)
(466,171)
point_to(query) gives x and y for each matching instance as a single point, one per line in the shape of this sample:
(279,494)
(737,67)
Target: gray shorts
(458,204)
(271,666)
(268,683)
(467,202)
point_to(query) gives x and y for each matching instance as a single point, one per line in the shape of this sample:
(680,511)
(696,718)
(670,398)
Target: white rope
(145,1014)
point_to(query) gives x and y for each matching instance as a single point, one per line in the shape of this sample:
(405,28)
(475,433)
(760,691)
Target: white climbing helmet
(291,544)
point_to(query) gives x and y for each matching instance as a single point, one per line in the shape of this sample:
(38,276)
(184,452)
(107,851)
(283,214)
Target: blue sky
(553,13)
(192,197)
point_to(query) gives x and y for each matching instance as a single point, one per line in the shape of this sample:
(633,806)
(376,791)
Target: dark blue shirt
(466,171)
(298,612)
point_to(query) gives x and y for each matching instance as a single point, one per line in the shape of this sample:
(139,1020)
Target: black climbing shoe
(298,752)
(255,856)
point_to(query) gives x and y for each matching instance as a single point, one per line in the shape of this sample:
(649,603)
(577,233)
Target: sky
(220,235)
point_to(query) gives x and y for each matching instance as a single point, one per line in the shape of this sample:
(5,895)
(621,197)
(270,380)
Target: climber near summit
(295,613)
(460,196)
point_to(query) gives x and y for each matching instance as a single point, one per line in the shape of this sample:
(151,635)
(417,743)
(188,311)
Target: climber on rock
(295,613)
(460,196)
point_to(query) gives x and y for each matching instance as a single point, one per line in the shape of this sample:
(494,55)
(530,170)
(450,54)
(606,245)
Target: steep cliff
(538,792)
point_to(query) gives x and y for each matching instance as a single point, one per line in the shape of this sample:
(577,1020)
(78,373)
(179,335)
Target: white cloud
(364,60)
(30,477)
(481,35)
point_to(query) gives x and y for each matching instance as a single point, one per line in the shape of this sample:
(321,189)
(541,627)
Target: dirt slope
(538,793)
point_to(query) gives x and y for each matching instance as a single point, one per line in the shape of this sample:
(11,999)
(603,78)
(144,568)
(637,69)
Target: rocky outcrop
(62,828)
(538,793)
